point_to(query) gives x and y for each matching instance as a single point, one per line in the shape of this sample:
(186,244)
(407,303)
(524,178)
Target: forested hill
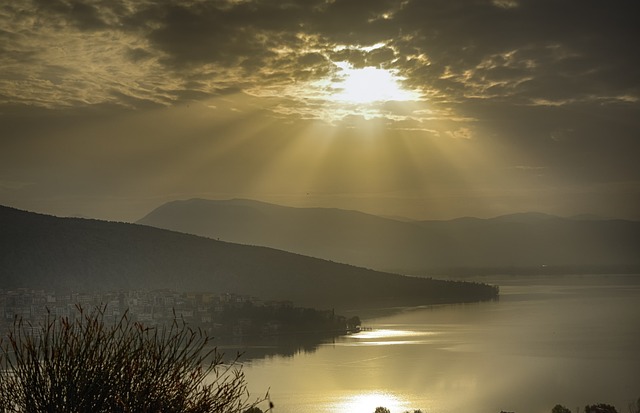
(41,251)
(510,243)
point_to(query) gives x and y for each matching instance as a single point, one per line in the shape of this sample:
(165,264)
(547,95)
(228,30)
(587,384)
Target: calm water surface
(571,341)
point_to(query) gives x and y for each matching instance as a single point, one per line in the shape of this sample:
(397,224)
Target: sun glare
(367,403)
(346,91)
(367,85)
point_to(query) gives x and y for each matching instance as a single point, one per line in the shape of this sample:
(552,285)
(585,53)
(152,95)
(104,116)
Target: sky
(425,109)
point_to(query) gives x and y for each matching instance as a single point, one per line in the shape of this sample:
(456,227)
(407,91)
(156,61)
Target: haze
(427,110)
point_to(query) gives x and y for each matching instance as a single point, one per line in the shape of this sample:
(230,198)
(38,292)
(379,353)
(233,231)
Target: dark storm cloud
(192,35)
(84,15)
(554,40)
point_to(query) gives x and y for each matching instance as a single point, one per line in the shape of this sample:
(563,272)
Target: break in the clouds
(549,87)
(67,53)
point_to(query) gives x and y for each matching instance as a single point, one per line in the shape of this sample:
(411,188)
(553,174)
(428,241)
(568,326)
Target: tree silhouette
(600,408)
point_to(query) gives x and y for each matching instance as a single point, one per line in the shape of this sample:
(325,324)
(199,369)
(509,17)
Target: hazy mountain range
(46,252)
(519,242)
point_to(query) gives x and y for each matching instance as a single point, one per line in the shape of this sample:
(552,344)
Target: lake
(571,340)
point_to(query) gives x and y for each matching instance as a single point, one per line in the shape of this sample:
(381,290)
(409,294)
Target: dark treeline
(250,320)
(280,330)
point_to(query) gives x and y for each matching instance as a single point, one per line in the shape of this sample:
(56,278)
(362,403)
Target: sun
(343,91)
(367,85)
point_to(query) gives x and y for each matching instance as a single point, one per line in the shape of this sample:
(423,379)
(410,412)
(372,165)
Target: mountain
(516,242)
(46,252)
(338,235)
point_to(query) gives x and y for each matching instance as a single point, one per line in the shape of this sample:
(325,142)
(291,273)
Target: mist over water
(570,340)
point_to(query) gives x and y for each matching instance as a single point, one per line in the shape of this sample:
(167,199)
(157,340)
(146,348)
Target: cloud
(505,4)
(61,57)
(74,52)
(514,70)
(460,133)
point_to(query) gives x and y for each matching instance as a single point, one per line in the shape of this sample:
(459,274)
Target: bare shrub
(86,364)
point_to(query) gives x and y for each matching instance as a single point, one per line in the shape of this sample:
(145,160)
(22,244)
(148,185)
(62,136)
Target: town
(223,315)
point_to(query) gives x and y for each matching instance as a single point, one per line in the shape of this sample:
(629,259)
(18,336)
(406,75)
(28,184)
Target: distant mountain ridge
(46,252)
(509,242)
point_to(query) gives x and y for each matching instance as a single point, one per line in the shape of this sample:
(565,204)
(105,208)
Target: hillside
(41,251)
(514,242)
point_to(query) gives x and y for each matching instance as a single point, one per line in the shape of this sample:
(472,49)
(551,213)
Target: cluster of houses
(151,308)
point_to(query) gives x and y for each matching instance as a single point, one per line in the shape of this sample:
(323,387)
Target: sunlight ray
(294,168)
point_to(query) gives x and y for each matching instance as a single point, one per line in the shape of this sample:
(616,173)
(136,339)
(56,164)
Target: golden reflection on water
(387,333)
(367,403)
(387,337)
(382,343)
